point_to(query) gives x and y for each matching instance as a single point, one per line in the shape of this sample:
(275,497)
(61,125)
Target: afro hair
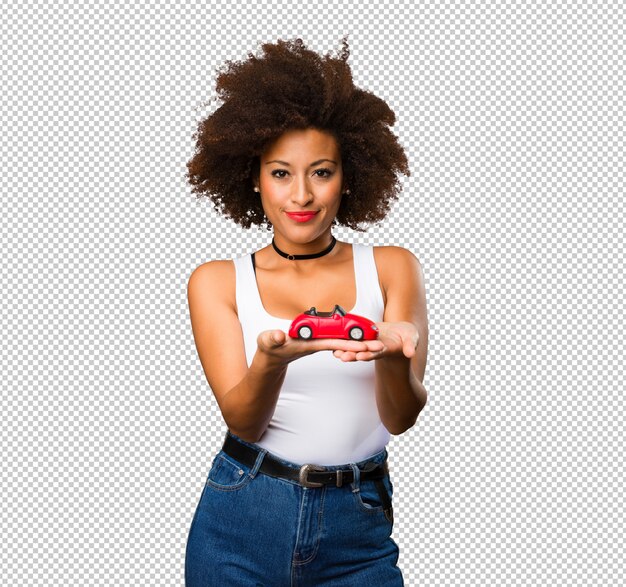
(291,87)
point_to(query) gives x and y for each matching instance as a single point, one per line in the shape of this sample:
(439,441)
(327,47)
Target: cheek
(272,194)
(333,197)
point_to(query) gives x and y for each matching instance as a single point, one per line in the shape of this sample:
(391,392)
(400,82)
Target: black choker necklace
(327,250)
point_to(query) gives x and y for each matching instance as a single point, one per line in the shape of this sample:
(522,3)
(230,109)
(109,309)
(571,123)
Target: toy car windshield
(336,310)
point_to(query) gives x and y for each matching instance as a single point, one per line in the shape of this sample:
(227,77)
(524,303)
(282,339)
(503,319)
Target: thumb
(277,338)
(409,348)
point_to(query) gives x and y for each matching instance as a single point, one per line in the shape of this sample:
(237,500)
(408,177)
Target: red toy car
(335,324)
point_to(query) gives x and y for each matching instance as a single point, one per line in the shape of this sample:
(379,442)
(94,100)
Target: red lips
(301,216)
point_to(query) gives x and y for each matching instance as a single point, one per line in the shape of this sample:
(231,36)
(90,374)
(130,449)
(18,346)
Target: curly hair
(291,87)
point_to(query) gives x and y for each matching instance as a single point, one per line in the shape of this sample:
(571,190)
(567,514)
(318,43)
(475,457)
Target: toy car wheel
(356,333)
(305,332)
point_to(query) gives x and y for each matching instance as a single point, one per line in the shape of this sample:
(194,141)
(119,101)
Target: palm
(398,338)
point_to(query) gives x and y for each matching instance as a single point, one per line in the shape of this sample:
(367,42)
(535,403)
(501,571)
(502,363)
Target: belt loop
(356,484)
(258,462)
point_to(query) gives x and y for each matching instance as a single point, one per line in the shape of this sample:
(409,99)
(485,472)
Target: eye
(324,172)
(276,172)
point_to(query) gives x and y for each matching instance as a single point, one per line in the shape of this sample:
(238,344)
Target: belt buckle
(304,474)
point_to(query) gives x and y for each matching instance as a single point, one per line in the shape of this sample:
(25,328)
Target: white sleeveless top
(326,412)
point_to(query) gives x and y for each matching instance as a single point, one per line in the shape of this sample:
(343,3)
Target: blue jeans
(250,529)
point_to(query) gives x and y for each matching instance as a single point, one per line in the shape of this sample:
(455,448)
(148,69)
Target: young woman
(300,493)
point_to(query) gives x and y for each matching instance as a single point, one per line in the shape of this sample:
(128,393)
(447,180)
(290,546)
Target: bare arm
(400,365)
(400,394)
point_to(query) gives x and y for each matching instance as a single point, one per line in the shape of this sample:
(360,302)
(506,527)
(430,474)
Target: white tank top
(326,412)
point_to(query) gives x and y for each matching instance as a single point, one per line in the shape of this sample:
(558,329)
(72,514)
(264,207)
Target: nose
(301,193)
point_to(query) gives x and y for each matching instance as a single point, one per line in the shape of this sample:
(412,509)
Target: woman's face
(301,172)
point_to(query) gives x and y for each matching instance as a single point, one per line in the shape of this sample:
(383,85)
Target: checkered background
(512,115)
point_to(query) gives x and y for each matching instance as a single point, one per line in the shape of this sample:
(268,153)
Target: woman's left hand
(398,338)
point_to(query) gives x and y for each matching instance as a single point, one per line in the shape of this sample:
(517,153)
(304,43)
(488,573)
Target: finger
(345,356)
(360,356)
(337,344)
(367,346)
(366,356)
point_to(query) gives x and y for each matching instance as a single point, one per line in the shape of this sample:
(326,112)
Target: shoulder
(395,264)
(211,271)
(397,256)
(213,279)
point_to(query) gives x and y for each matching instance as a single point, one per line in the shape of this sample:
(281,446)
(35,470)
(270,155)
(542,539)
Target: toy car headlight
(374,327)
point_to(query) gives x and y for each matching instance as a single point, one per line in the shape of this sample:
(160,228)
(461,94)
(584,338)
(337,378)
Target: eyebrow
(289,165)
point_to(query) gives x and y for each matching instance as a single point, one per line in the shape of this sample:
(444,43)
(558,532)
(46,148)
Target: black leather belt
(307,475)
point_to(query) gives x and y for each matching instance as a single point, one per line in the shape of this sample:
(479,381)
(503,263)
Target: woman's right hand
(280,348)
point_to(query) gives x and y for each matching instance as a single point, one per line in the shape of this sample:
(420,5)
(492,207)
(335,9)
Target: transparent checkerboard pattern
(513,120)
